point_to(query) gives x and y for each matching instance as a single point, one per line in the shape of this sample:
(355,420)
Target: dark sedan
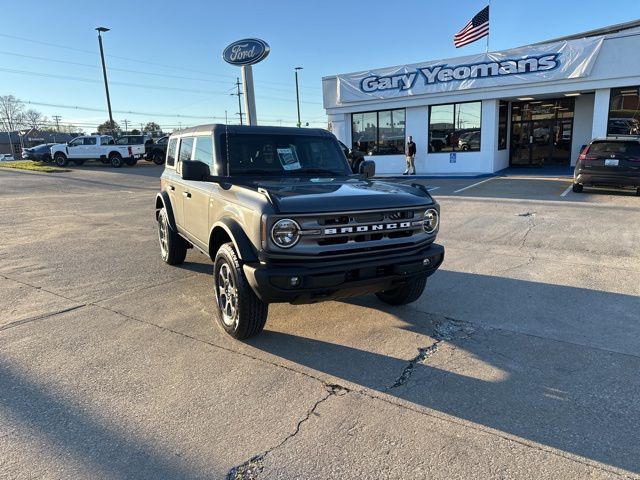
(609,162)
(39,153)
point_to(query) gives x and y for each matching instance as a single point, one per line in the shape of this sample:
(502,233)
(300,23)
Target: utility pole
(126,125)
(104,73)
(57,119)
(8,120)
(298,95)
(238,94)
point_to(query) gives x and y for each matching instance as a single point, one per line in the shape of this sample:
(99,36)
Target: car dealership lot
(520,361)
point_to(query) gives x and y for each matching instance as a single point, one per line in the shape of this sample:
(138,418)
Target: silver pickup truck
(284,219)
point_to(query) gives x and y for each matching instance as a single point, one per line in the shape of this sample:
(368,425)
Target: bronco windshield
(291,155)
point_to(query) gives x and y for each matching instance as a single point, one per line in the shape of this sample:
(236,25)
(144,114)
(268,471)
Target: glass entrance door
(541,132)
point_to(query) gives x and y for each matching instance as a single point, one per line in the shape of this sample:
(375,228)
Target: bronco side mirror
(195,170)
(368,168)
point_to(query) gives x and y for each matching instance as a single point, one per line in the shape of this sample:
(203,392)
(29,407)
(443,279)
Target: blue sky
(165,57)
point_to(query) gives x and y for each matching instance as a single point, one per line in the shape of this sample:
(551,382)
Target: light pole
(298,95)
(104,73)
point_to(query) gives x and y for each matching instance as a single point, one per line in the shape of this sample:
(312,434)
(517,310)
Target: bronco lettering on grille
(377,227)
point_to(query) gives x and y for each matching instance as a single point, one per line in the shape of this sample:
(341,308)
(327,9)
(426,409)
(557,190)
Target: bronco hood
(311,195)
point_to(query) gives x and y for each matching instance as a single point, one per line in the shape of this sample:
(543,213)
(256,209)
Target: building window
(378,133)
(503,115)
(455,127)
(624,111)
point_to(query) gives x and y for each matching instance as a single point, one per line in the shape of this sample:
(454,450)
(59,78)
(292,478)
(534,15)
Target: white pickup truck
(96,147)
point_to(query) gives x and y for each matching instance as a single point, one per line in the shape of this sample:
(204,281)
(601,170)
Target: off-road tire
(61,159)
(158,158)
(173,248)
(249,316)
(407,293)
(131,161)
(577,188)
(115,159)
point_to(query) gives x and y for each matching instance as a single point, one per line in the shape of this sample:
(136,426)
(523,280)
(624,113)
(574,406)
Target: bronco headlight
(285,233)
(431,221)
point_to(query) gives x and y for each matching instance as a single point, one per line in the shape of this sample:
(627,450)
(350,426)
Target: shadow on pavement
(566,396)
(72,430)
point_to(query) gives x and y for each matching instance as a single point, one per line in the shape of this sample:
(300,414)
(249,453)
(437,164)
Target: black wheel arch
(228,230)
(162,200)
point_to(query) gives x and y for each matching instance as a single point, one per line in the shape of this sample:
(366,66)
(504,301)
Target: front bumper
(272,283)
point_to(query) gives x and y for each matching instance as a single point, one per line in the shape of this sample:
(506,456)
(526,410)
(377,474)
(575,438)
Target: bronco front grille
(358,232)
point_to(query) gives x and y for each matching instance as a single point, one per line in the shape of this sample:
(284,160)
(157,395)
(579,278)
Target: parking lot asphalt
(520,360)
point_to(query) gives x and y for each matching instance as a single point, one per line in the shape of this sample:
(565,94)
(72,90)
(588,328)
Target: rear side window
(186,146)
(90,140)
(618,148)
(171,152)
(204,152)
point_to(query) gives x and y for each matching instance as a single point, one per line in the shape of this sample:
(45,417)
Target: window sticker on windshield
(289,159)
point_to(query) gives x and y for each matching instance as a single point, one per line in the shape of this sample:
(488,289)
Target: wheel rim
(227,295)
(163,234)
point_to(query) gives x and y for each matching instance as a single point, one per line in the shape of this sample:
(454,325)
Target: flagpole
(489,32)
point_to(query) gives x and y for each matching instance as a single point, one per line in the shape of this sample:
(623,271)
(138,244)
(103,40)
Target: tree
(135,131)
(11,113)
(108,127)
(152,127)
(34,119)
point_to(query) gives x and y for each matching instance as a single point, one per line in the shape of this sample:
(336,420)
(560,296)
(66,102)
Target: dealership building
(528,106)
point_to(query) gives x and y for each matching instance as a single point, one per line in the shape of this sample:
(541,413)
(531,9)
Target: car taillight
(583,155)
(130,151)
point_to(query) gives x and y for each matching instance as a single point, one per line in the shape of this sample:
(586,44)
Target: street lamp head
(298,68)
(102,29)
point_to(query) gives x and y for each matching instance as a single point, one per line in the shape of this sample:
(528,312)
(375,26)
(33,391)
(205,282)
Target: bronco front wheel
(173,248)
(407,293)
(240,312)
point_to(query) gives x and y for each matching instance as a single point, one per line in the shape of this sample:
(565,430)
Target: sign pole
(249,96)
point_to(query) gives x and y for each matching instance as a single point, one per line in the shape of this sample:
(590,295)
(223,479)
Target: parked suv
(609,162)
(284,219)
(156,152)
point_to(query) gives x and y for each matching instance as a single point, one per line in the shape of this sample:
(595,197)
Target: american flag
(477,28)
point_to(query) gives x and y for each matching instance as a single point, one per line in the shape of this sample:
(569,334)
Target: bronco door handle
(187,194)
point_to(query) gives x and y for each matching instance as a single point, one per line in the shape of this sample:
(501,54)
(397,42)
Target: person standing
(410,153)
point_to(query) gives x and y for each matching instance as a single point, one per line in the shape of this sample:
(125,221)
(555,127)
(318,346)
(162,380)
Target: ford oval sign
(246,52)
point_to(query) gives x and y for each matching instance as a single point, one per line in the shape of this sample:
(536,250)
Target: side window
(75,142)
(186,146)
(122,141)
(171,152)
(204,152)
(90,140)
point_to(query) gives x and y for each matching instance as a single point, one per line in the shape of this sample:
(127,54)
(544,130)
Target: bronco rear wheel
(173,248)
(240,312)
(404,294)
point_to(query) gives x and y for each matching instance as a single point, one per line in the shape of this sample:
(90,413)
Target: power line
(136,60)
(125,70)
(134,85)
(146,114)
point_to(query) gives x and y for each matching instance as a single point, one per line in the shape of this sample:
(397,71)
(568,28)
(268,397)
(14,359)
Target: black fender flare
(162,200)
(245,249)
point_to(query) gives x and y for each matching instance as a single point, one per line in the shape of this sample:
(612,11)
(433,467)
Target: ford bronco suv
(284,219)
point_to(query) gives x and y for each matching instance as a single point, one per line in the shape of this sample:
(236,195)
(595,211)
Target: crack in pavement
(17,323)
(252,468)
(532,224)
(443,331)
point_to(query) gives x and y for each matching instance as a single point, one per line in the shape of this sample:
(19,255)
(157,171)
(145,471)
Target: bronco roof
(218,128)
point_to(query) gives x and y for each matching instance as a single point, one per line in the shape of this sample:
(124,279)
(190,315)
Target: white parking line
(431,189)
(564,194)
(474,185)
